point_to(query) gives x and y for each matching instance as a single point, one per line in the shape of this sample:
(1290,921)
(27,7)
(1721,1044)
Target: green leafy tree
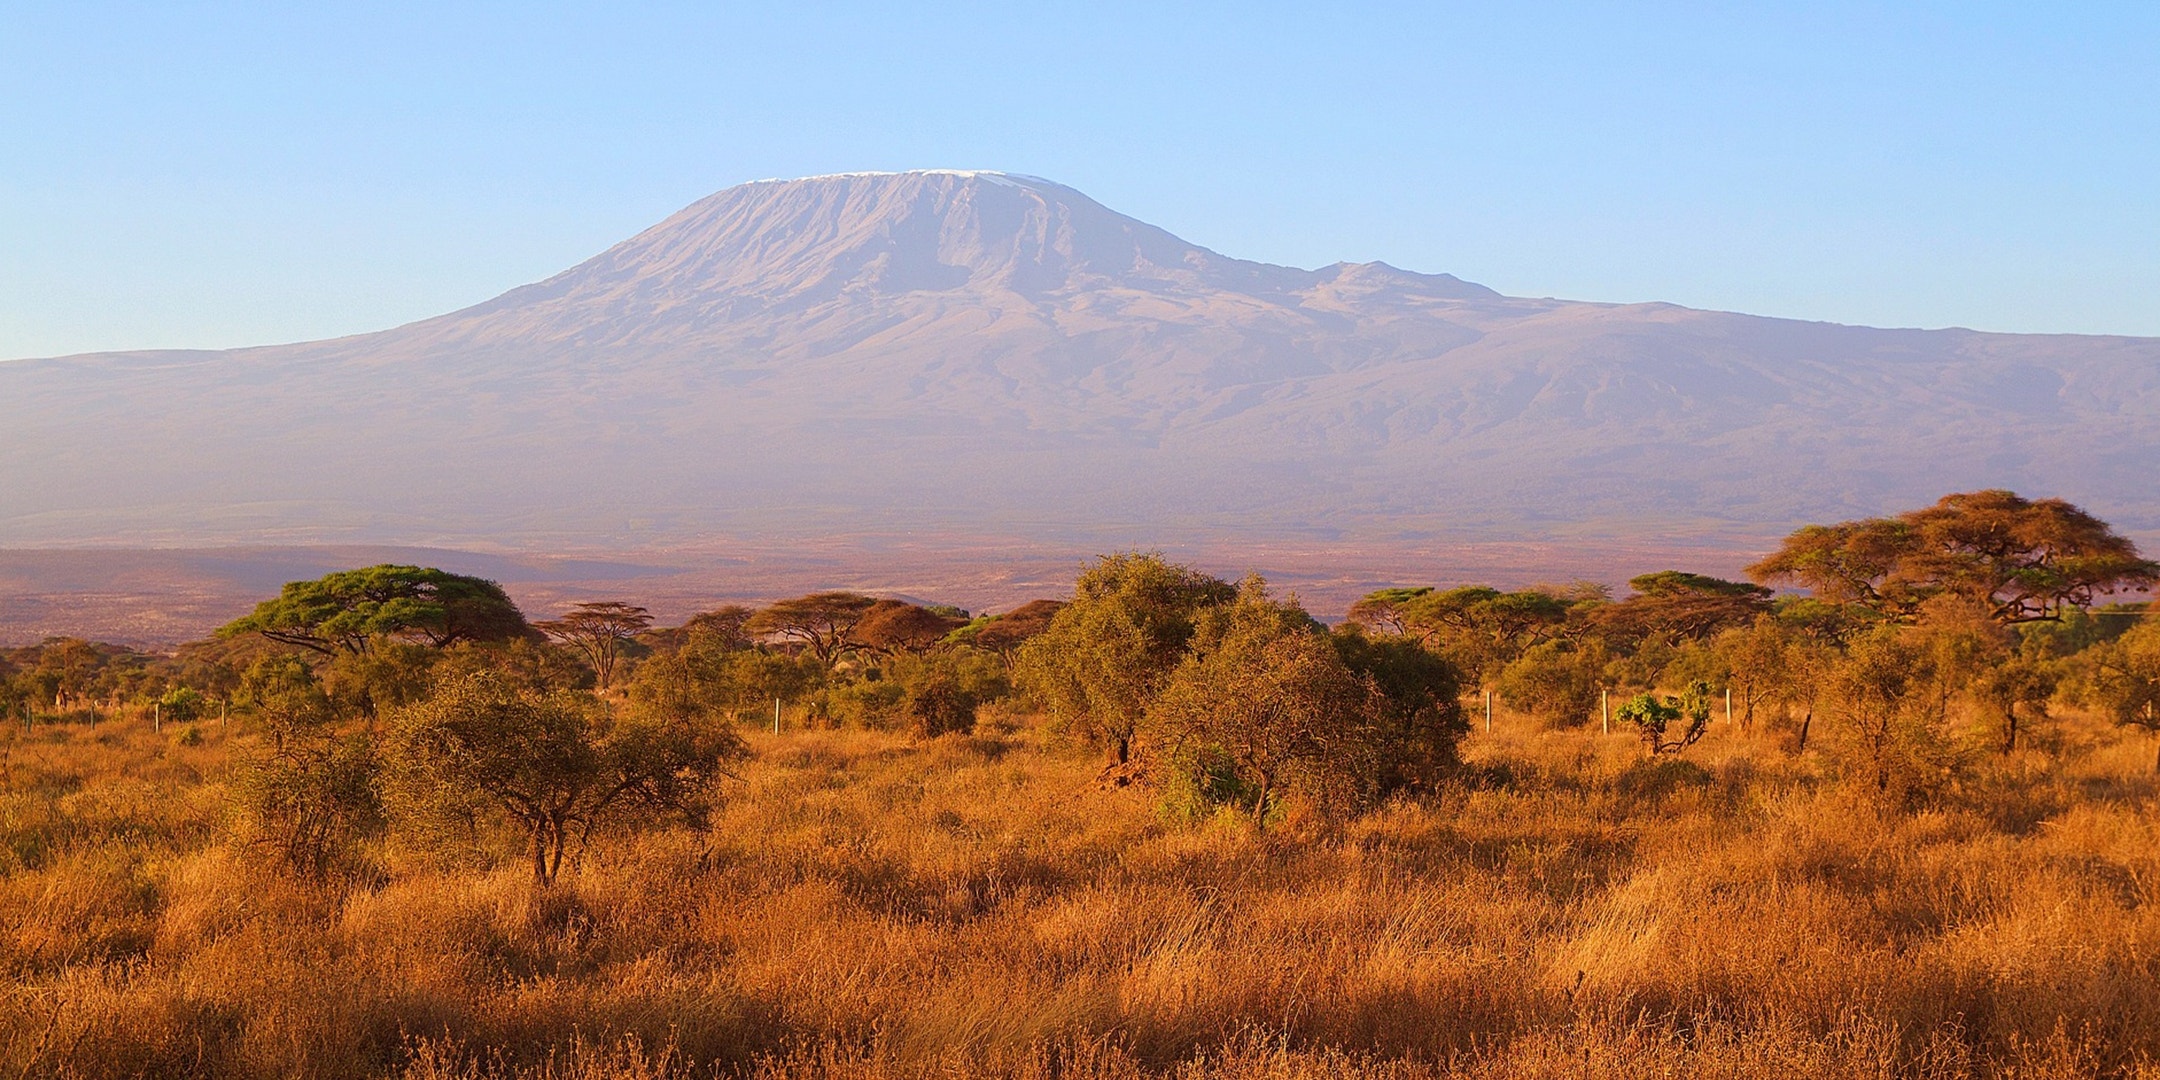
(181,705)
(2125,674)
(1417,717)
(351,611)
(1108,653)
(1555,681)
(1481,630)
(1653,718)
(2021,559)
(1265,707)
(556,764)
(1760,665)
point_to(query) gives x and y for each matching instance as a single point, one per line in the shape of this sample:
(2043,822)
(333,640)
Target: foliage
(1883,695)
(309,799)
(2022,559)
(1108,653)
(1653,717)
(1761,665)
(818,622)
(706,676)
(1417,716)
(308,791)
(352,610)
(895,626)
(1556,681)
(1004,634)
(1269,705)
(1264,707)
(557,764)
(181,705)
(1675,606)
(2126,677)
(597,630)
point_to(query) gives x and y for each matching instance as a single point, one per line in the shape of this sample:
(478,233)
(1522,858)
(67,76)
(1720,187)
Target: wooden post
(1488,712)
(1604,713)
(776,716)
(157,716)
(1728,706)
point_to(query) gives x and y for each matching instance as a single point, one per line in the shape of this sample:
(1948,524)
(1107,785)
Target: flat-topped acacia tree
(819,622)
(2024,560)
(351,610)
(597,630)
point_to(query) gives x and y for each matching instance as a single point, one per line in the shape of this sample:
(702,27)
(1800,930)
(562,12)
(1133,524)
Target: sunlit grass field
(866,905)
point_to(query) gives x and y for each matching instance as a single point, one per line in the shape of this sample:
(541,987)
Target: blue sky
(215,175)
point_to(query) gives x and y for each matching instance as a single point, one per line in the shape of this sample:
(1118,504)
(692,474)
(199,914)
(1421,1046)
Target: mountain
(974,356)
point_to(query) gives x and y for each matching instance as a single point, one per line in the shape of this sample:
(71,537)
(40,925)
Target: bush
(1269,706)
(555,764)
(1557,682)
(309,800)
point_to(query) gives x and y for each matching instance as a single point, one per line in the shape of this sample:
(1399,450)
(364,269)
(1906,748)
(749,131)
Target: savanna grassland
(1294,857)
(869,905)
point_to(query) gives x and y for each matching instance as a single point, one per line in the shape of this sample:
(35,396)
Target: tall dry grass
(868,907)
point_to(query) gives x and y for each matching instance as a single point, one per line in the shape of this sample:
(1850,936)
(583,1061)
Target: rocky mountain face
(987,356)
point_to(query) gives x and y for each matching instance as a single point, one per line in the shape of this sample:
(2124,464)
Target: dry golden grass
(866,907)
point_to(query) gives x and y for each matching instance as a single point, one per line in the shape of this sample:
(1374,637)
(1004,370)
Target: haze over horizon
(216,176)
(971,358)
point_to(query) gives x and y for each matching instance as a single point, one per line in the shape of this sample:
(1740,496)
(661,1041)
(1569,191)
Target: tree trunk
(1804,722)
(557,827)
(539,854)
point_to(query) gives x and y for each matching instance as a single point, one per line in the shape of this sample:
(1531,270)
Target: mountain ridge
(978,354)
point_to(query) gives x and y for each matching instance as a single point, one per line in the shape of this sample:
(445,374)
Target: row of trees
(407,698)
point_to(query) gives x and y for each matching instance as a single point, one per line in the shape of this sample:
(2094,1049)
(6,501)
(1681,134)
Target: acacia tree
(1107,653)
(896,626)
(819,622)
(2022,560)
(1479,629)
(597,630)
(1004,634)
(1555,681)
(1674,606)
(351,610)
(555,764)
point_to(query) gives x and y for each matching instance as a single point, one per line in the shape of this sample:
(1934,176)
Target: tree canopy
(1106,654)
(597,631)
(1673,606)
(2025,560)
(351,610)
(819,622)
(557,764)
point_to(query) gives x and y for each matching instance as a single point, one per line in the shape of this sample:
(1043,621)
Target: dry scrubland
(867,905)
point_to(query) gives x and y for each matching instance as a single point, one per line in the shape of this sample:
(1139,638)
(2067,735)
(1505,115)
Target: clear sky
(211,175)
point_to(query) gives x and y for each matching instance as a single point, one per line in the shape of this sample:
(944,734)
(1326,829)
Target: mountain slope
(984,355)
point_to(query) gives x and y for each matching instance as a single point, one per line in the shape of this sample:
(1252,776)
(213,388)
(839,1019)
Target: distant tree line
(411,701)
